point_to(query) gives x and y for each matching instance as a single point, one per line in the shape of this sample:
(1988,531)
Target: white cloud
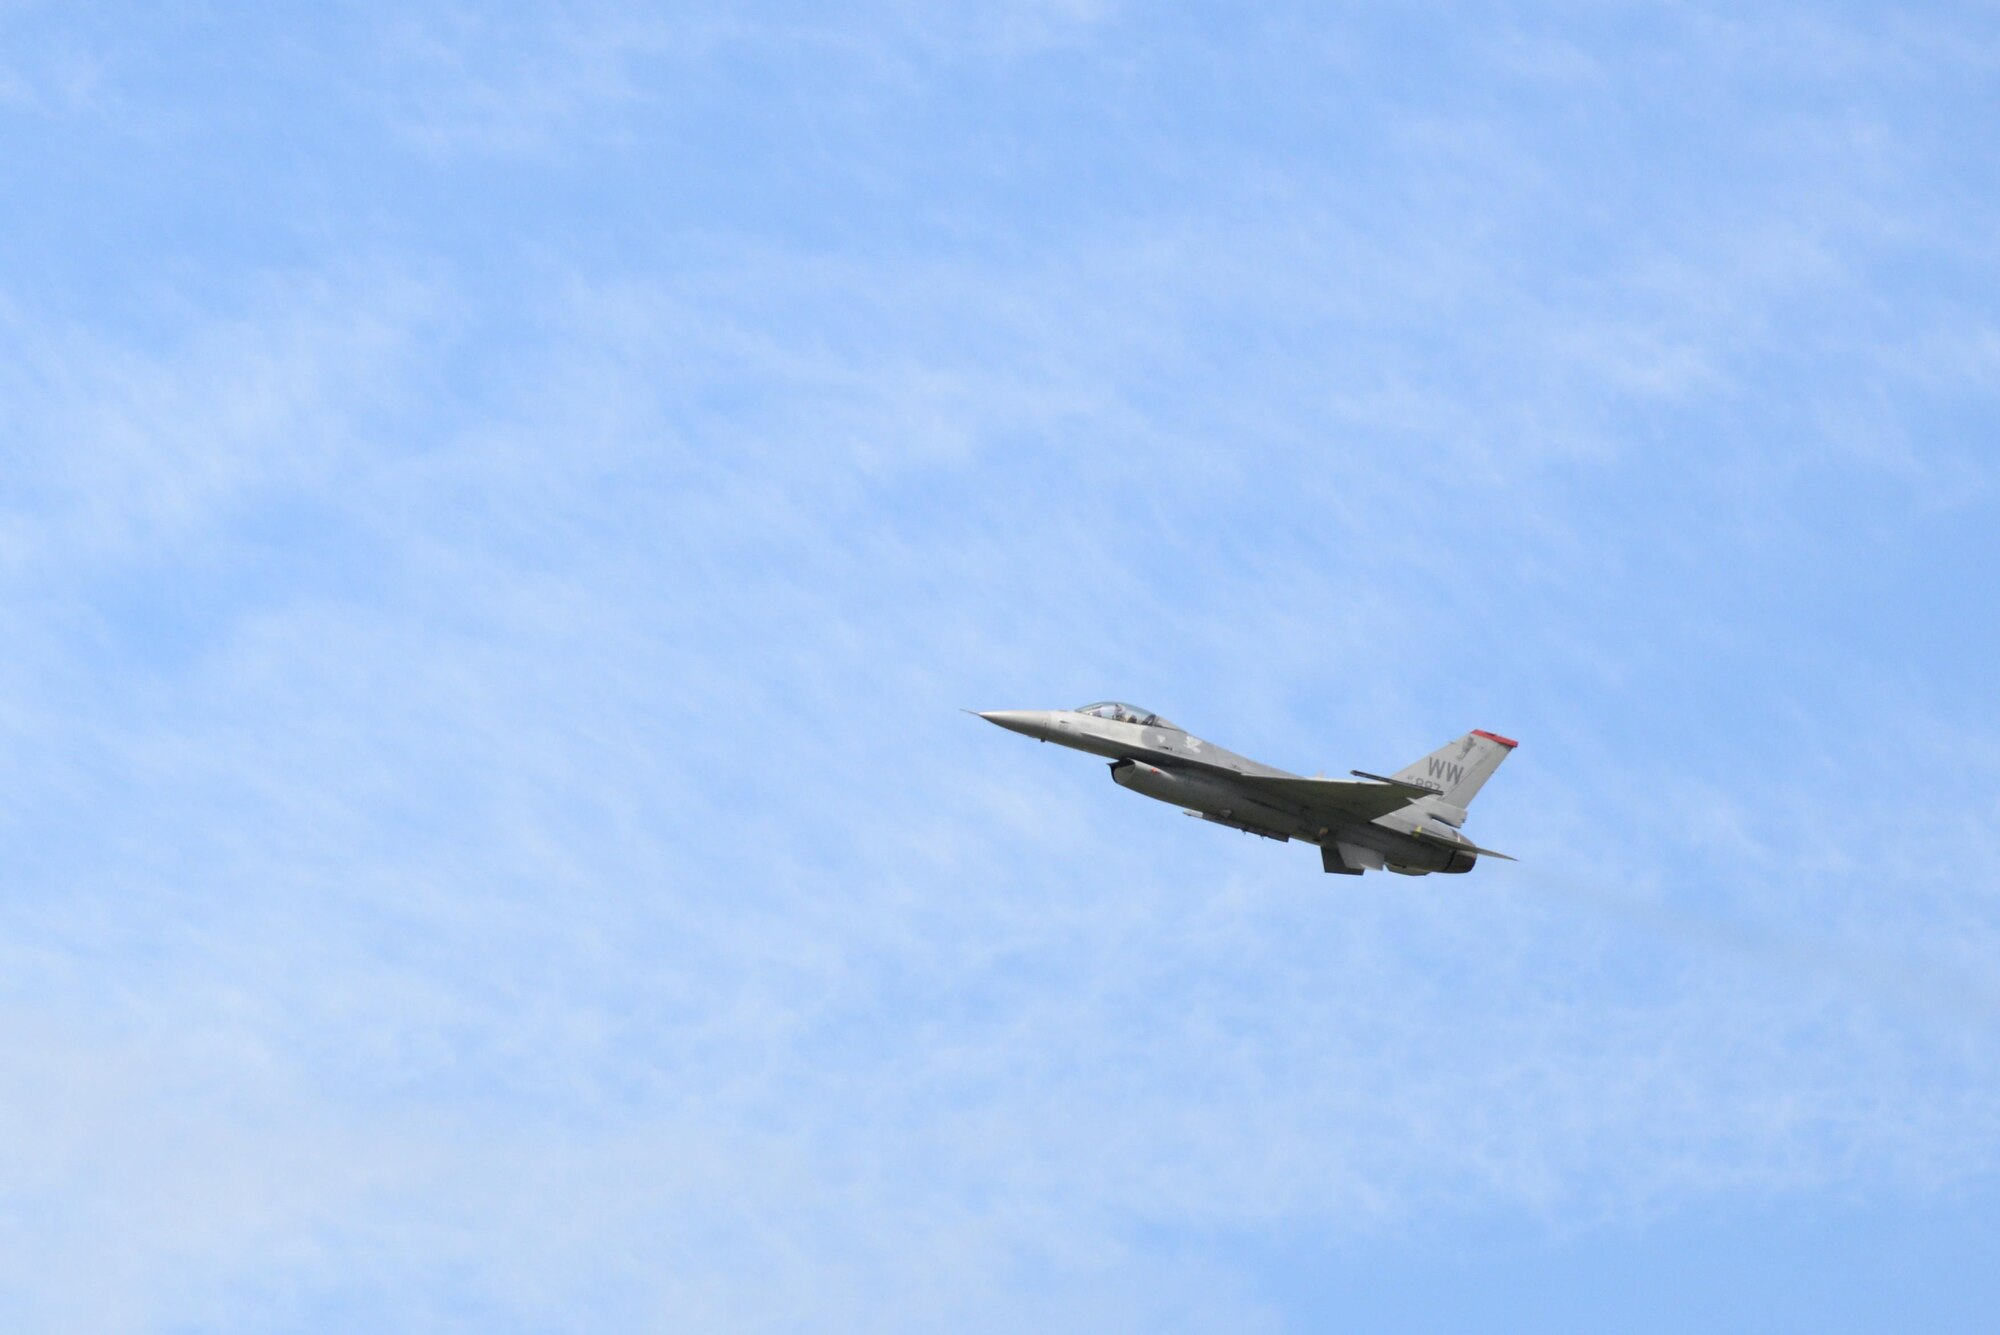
(465,78)
(612,871)
(135,449)
(493,841)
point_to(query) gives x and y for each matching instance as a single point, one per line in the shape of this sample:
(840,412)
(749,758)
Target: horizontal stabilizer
(1462,844)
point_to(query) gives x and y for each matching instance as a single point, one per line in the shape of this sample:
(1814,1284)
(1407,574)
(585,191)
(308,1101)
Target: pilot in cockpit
(1122,713)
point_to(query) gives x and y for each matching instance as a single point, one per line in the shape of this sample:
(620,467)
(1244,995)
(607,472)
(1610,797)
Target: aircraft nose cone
(1029,722)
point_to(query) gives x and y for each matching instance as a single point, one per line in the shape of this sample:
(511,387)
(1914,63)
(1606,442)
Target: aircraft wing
(1335,798)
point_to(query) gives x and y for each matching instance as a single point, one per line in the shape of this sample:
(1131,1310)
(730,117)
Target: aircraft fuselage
(1160,760)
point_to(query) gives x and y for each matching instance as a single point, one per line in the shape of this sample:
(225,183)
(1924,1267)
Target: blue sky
(500,507)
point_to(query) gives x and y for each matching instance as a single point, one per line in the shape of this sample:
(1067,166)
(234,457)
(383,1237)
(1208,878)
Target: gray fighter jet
(1406,822)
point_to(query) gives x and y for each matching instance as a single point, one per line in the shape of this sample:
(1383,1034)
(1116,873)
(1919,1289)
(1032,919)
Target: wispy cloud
(494,842)
(459,78)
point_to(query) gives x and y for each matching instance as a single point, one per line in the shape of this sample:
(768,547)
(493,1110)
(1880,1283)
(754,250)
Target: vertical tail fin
(1458,770)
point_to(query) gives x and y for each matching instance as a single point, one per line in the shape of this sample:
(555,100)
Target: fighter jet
(1407,822)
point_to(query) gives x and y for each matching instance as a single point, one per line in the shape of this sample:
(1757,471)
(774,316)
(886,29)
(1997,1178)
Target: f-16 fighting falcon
(1407,822)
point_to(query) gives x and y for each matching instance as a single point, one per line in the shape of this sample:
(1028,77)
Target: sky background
(501,505)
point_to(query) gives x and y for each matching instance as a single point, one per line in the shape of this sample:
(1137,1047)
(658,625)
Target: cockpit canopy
(1120,713)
